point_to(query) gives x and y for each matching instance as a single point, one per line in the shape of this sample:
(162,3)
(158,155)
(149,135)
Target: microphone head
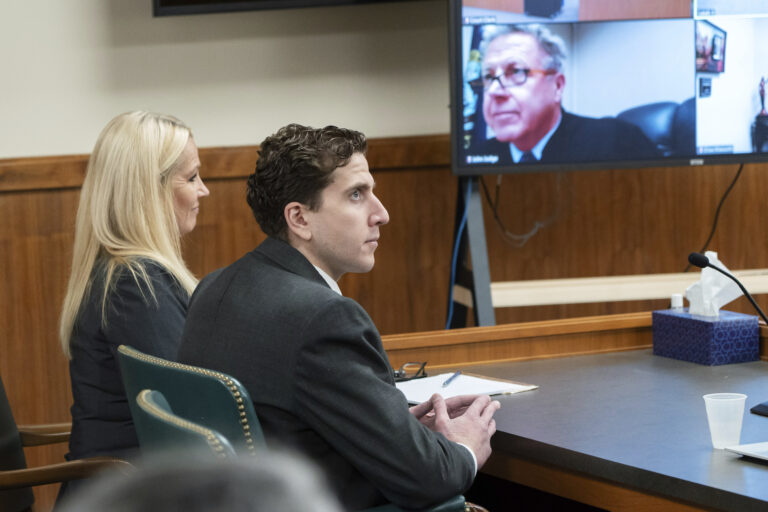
(697,259)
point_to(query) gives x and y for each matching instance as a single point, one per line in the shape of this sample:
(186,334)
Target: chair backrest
(685,127)
(213,399)
(11,457)
(159,429)
(656,120)
(669,125)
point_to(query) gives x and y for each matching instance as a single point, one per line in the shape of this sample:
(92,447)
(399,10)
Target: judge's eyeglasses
(509,77)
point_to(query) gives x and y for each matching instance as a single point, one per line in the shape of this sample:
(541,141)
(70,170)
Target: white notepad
(420,390)
(756,450)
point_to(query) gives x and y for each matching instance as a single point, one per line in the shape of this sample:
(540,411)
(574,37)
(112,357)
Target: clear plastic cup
(725,412)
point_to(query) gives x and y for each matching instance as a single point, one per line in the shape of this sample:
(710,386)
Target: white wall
(68,66)
(620,65)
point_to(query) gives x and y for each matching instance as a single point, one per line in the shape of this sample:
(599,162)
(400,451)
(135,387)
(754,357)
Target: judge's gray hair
(552,44)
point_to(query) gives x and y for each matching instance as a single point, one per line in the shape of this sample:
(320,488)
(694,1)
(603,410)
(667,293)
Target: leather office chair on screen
(669,125)
(17,480)
(158,428)
(210,399)
(543,8)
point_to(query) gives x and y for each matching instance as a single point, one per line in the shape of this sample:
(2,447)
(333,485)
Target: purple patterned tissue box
(728,338)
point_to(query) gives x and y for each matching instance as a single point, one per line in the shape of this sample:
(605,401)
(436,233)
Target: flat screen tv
(585,84)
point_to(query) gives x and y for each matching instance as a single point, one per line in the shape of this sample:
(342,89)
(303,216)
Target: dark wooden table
(628,431)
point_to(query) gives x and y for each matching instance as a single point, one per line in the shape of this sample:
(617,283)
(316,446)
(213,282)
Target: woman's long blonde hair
(126,215)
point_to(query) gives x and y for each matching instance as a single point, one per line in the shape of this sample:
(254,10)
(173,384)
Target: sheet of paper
(419,390)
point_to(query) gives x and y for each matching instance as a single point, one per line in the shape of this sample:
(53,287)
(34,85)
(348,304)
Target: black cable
(512,238)
(520,240)
(455,256)
(487,194)
(717,213)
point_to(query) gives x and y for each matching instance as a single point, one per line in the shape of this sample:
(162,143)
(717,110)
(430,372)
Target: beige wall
(68,66)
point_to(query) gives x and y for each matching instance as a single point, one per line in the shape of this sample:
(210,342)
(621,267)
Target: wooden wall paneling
(36,238)
(592,10)
(234,162)
(423,151)
(617,10)
(498,5)
(408,287)
(626,221)
(610,222)
(17,174)
(225,227)
(228,162)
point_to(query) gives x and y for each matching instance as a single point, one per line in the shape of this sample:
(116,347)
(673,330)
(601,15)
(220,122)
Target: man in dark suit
(523,82)
(312,359)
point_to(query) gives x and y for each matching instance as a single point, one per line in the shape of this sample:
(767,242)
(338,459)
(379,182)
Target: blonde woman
(129,283)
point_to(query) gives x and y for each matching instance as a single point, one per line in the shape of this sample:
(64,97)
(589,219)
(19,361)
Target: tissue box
(728,338)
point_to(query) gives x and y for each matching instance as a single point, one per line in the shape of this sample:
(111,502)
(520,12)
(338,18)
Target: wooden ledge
(518,330)
(528,340)
(602,289)
(522,341)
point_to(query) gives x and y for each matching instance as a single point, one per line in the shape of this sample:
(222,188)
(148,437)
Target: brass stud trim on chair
(210,436)
(236,395)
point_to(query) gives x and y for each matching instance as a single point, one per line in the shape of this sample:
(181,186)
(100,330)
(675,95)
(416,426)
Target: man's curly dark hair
(295,164)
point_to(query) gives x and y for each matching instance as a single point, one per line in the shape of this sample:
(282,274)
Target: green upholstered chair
(17,480)
(159,429)
(199,395)
(213,400)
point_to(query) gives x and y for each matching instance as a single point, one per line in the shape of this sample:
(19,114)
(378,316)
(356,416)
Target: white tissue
(712,291)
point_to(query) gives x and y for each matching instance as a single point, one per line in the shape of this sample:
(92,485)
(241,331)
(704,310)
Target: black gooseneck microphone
(699,260)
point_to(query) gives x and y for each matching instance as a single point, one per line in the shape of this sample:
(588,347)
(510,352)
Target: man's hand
(422,410)
(456,406)
(465,419)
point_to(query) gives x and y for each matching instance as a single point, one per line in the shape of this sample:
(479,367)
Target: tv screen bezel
(459,168)
(162,8)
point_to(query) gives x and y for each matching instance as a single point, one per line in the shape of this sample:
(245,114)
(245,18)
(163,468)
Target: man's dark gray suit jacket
(320,380)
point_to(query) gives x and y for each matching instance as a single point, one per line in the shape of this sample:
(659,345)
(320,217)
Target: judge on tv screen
(522,82)
(575,84)
(565,93)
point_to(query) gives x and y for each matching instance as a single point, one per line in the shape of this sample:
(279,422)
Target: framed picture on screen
(710,47)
